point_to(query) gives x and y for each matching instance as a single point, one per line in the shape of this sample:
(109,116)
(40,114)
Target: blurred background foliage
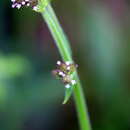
(31,98)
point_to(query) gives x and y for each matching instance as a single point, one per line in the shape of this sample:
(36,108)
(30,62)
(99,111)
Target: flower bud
(36,5)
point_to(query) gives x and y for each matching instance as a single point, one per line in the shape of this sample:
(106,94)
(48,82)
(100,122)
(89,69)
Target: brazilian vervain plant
(66,69)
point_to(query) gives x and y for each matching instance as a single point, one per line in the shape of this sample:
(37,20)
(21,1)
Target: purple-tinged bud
(19,3)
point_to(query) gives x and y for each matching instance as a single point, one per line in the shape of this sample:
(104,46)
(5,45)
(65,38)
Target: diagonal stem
(65,52)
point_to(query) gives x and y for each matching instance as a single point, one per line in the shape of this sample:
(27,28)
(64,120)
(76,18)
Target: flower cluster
(64,71)
(29,3)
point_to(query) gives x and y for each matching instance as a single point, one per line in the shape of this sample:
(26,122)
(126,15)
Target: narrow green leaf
(68,93)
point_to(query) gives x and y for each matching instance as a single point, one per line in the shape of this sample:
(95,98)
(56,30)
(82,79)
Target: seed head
(19,3)
(36,5)
(64,72)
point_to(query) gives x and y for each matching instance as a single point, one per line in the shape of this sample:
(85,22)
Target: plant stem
(65,52)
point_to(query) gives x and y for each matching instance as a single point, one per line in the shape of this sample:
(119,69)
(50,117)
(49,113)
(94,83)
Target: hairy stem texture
(65,52)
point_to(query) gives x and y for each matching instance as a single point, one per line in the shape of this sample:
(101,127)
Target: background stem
(65,52)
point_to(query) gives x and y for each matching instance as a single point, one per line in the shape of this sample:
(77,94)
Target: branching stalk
(65,52)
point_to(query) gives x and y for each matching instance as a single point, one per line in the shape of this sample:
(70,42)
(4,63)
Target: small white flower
(68,68)
(67,63)
(62,74)
(58,62)
(18,6)
(23,3)
(12,0)
(28,4)
(73,82)
(67,86)
(35,8)
(14,5)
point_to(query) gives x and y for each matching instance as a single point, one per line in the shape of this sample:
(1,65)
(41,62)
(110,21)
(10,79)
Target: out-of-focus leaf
(12,66)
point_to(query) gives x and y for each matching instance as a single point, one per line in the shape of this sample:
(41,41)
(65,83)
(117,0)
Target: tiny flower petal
(35,8)
(61,74)
(18,6)
(14,5)
(67,86)
(58,62)
(73,82)
(68,68)
(28,4)
(23,3)
(12,0)
(67,62)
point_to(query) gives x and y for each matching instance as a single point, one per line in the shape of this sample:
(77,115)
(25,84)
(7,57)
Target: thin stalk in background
(65,52)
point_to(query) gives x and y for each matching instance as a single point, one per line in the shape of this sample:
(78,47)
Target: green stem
(65,51)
